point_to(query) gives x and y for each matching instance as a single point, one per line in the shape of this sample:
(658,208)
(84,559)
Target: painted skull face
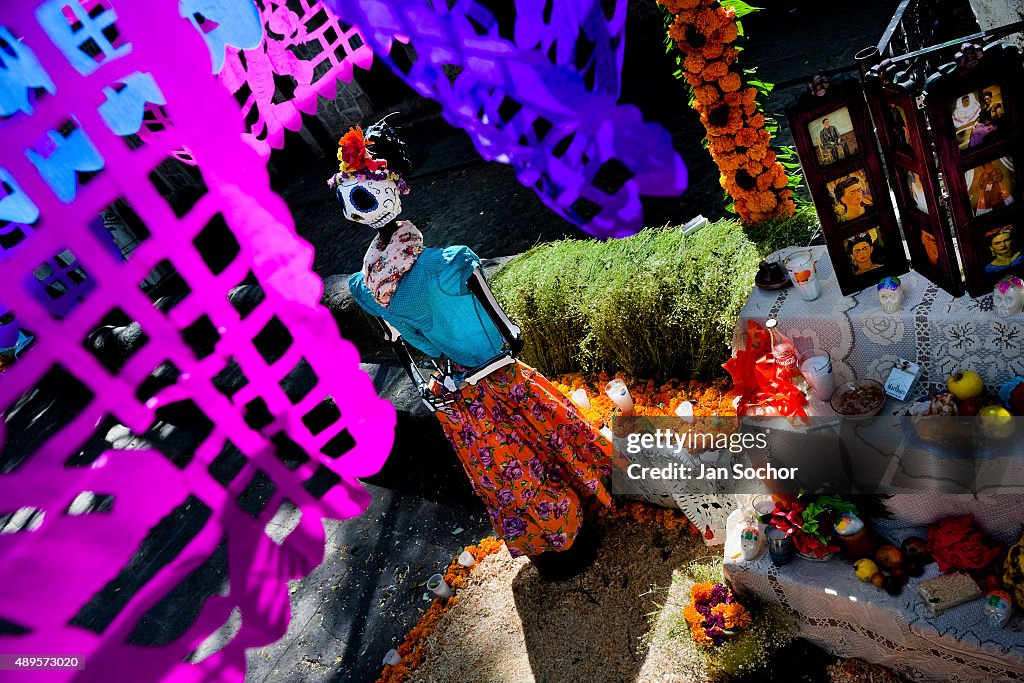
(1008,297)
(998,607)
(371,202)
(750,542)
(890,294)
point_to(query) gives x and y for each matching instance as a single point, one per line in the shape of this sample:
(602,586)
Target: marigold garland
(413,647)
(714,615)
(738,139)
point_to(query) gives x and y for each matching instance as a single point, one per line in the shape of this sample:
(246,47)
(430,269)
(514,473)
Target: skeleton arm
(394,338)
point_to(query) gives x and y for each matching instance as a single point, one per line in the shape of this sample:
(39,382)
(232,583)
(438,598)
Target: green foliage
(656,304)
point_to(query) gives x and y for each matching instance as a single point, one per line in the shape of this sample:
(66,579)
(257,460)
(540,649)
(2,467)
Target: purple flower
(536,467)
(513,437)
(518,393)
(486,482)
(537,410)
(476,409)
(505,496)
(499,414)
(561,507)
(591,485)
(604,470)
(468,436)
(556,442)
(486,458)
(718,594)
(514,552)
(544,509)
(528,494)
(704,609)
(556,541)
(493,514)
(514,471)
(513,527)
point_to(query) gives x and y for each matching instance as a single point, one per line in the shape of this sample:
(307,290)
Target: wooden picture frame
(903,134)
(982,172)
(843,171)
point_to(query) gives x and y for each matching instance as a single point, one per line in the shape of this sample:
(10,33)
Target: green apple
(965,384)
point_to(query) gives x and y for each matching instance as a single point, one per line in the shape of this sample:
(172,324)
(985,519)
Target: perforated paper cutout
(587,157)
(241,387)
(307,52)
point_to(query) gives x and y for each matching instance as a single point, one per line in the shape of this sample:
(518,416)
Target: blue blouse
(434,310)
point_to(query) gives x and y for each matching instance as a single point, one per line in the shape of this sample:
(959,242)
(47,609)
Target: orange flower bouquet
(714,614)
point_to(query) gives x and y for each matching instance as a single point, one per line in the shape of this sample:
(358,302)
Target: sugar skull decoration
(890,294)
(1008,296)
(750,542)
(998,607)
(368,188)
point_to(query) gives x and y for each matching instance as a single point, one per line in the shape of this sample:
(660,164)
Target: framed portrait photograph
(833,137)
(978,116)
(865,252)
(974,109)
(851,196)
(1004,247)
(991,186)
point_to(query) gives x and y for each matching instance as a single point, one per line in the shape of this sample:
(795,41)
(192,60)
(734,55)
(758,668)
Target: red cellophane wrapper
(754,380)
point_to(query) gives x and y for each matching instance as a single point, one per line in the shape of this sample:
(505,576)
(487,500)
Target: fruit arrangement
(892,567)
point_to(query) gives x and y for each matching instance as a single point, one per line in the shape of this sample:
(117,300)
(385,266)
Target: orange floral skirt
(529,455)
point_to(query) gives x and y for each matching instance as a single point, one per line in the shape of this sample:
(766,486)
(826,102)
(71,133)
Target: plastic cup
(804,274)
(392,658)
(816,367)
(439,587)
(466,559)
(685,411)
(580,398)
(618,392)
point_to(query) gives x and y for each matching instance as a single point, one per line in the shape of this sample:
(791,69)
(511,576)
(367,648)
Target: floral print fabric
(530,457)
(385,264)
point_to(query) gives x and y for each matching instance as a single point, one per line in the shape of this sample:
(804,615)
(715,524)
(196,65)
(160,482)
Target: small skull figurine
(372,202)
(1008,296)
(998,608)
(750,542)
(890,294)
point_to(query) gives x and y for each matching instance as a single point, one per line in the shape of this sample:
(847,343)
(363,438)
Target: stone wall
(995,13)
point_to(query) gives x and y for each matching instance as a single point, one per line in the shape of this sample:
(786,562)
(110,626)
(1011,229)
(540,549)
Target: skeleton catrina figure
(531,457)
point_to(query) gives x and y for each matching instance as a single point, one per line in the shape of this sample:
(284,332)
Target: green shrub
(656,304)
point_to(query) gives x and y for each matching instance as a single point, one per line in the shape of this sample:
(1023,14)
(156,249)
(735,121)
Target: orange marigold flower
(757,121)
(757,152)
(736,616)
(728,33)
(730,55)
(731,82)
(780,181)
(701,592)
(693,80)
(723,143)
(700,636)
(706,94)
(712,50)
(714,71)
(769,158)
(708,21)
(694,63)
(786,194)
(746,137)
(675,6)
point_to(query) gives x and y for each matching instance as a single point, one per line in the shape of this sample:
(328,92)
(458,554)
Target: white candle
(580,398)
(618,392)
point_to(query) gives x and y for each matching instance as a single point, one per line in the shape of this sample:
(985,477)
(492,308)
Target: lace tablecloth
(850,618)
(940,333)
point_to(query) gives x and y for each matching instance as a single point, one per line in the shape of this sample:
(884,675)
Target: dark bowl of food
(861,398)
